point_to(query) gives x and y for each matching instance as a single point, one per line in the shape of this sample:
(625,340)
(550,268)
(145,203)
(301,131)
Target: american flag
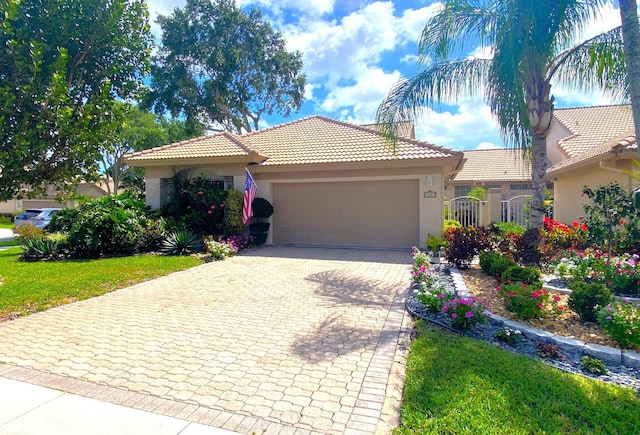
(250,190)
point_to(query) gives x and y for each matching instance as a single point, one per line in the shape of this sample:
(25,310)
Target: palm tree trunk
(631,38)
(538,171)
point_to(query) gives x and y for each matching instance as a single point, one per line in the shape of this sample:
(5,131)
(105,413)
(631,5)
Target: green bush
(510,227)
(43,249)
(262,209)
(495,264)
(587,299)
(110,225)
(233,213)
(487,259)
(621,320)
(593,365)
(527,275)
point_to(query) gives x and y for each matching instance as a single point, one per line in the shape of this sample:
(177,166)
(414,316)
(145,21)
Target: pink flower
(512,294)
(469,314)
(213,207)
(540,306)
(209,212)
(201,193)
(454,315)
(608,317)
(556,298)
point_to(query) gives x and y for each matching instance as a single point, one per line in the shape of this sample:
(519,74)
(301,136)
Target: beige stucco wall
(568,199)
(554,154)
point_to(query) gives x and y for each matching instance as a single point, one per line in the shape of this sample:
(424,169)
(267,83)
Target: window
(520,187)
(462,190)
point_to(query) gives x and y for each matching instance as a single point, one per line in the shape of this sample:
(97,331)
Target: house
(504,169)
(331,183)
(589,146)
(93,190)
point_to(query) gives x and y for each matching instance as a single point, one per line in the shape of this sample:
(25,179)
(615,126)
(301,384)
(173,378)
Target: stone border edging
(605,353)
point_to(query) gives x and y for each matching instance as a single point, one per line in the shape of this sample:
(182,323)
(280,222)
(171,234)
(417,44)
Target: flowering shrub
(527,302)
(559,236)
(239,241)
(465,312)
(621,320)
(434,297)
(219,250)
(421,270)
(508,336)
(198,203)
(622,274)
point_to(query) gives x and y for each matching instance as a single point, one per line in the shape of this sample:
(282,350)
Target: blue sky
(355,50)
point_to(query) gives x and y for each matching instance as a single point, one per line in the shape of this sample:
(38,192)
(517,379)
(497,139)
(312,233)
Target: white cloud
(309,7)
(361,99)
(470,125)
(487,146)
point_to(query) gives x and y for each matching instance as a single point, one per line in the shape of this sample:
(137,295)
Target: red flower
(201,193)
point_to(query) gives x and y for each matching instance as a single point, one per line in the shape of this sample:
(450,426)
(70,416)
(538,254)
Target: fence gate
(517,210)
(464,209)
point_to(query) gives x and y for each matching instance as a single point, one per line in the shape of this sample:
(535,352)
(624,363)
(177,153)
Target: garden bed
(567,324)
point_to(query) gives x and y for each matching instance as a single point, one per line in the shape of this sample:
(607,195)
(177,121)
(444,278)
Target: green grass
(457,385)
(8,226)
(37,286)
(9,243)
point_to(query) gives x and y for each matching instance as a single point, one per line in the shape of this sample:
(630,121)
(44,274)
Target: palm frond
(597,64)
(457,23)
(444,82)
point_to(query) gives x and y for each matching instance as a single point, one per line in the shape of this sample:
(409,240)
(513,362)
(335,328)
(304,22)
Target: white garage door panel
(368,214)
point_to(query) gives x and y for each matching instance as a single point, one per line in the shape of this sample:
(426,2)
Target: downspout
(617,171)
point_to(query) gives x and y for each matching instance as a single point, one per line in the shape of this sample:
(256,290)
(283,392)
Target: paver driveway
(277,340)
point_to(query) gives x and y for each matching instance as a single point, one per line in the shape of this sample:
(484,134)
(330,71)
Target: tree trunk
(538,171)
(631,38)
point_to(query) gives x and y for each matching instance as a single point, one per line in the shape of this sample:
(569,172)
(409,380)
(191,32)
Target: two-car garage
(376,214)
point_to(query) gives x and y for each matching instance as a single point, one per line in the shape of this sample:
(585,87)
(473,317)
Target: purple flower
(609,318)
(469,314)
(454,315)
(609,308)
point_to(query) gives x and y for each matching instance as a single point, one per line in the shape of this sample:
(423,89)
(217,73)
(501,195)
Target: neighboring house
(504,169)
(94,190)
(590,146)
(331,183)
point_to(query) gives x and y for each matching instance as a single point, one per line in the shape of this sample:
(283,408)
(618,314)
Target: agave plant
(41,249)
(182,242)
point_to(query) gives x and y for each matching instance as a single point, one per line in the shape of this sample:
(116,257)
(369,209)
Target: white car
(39,217)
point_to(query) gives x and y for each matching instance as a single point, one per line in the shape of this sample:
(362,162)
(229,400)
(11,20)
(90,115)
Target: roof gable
(593,126)
(306,141)
(494,165)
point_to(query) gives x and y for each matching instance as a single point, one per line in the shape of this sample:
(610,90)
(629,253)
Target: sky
(355,50)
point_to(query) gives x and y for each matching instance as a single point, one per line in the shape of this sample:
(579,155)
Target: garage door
(381,214)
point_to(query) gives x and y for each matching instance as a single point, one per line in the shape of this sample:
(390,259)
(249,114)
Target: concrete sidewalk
(277,340)
(6,235)
(30,409)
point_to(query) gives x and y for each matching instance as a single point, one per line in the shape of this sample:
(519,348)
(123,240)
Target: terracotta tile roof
(322,140)
(218,145)
(310,140)
(624,143)
(405,129)
(494,165)
(592,126)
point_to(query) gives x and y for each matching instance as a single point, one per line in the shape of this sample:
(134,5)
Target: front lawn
(6,226)
(457,385)
(37,286)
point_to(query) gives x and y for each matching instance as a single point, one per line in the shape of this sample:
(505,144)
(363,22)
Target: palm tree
(533,44)
(631,37)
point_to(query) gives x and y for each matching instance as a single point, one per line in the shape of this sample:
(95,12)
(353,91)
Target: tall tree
(534,43)
(631,38)
(223,67)
(62,64)
(135,129)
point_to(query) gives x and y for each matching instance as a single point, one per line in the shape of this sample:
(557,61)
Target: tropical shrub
(587,299)
(559,236)
(621,320)
(109,225)
(527,275)
(486,260)
(182,242)
(612,218)
(463,244)
(527,302)
(526,247)
(465,312)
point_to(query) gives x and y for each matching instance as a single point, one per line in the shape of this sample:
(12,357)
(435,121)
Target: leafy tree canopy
(223,67)
(63,63)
